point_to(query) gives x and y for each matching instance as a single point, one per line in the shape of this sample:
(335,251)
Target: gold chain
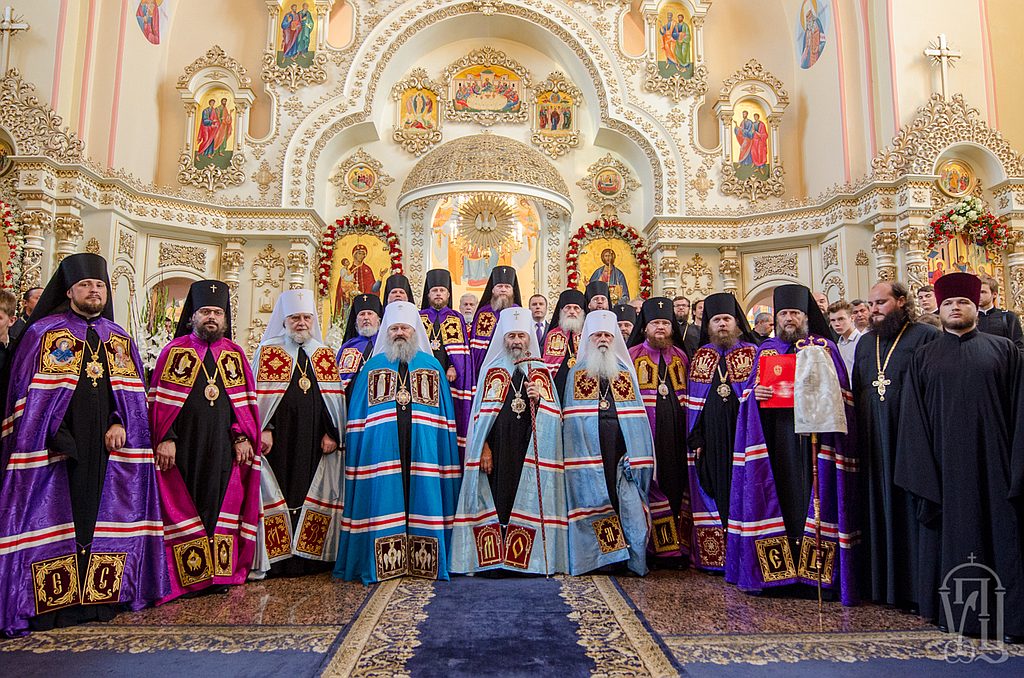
(878,350)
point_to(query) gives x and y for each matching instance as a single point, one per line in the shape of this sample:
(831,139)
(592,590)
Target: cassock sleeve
(1013,330)
(917,470)
(1017,445)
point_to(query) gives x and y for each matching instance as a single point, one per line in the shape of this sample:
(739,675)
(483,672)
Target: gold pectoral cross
(880,383)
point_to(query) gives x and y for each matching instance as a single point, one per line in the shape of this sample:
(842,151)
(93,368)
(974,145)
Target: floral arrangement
(605,228)
(159,321)
(16,246)
(970,219)
(362,223)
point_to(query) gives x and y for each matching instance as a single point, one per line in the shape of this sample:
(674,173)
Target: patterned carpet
(669,623)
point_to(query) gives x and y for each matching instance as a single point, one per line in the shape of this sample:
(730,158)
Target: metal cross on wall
(9,25)
(942,55)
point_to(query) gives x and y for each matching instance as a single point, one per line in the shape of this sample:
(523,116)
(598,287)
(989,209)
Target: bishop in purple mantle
(81,535)
(502,292)
(771,536)
(449,341)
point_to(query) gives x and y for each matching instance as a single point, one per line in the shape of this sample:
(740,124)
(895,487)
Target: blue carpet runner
(500,627)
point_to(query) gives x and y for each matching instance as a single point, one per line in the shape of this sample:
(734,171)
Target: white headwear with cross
(404,313)
(511,320)
(604,321)
(291,302)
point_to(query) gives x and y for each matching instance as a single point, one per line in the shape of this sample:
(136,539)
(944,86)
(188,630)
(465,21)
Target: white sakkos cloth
(817,397)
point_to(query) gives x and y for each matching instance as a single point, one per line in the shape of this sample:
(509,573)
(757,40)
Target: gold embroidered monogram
(192,559)
(764,352)
(584,387)
(55,582)
(775,559)
(275,365)
(277,529)
(703,365)
(519,546)
(381,386)
(103,577)
(425,387)
(60,353)
(230,365)
(119,357)
(313,533)
(181,367)
(740,363)
(490,549)
(664,535)
(809,561)
(609,534)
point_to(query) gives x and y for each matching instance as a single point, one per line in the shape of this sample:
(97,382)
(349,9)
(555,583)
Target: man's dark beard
(209,336)
(790,336)
(890,324)
(659,343)
(499,302)
(725,340)
(90,308)
(959,324)
(438,305)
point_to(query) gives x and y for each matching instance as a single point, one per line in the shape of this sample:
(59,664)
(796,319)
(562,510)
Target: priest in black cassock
(397,288)
(627,316)
(204,418)
(302,409)
(717,372)
(661,369)
(562,341)
(961,456)
(598,296)
(501,292)
(889,527)
(360,334)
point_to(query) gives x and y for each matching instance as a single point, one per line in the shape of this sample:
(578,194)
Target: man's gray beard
(573,325)
(726,341)
(299,337)
(791,336)
(890,325)
(499,302)
(515,355)
(366,331)
(209,336)
(399,350)
(602,362)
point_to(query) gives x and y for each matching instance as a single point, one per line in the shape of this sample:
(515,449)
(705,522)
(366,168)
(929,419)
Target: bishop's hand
(762,392)
(533,390)
(115,437)
(266,442)
(243,451)
(328,445)
(165,453)
(451,374)
(486,459)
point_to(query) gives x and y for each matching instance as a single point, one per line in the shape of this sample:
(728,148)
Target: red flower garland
(604,228)
(360,223)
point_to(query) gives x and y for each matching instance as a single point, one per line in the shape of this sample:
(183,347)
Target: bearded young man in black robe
(562,340)
(725,358)
(889,527)
(598,297)
(961,455)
